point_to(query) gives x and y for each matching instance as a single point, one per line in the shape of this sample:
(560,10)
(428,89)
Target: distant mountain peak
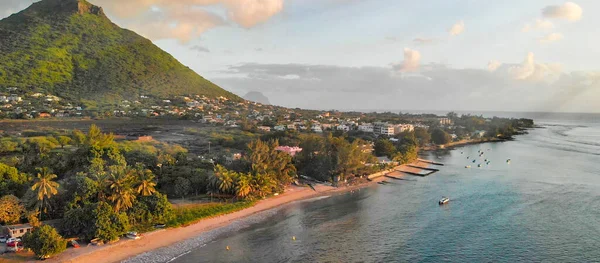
(257,97)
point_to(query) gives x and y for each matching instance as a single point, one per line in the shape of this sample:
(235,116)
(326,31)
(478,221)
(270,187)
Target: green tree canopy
(45,242)
(11,210)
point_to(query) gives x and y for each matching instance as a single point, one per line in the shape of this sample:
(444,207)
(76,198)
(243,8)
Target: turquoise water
(542,207)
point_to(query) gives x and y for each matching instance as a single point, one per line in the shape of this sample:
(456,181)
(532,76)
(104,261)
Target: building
(343,127)
(365,127)
(316,128)
(399,128)
(279,128)
(264,128)
(445,121)
(18,230)
(478,134)
(290,150)
(14,98)
(383,128)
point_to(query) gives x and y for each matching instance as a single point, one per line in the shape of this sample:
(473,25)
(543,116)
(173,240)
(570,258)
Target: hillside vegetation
(69,48)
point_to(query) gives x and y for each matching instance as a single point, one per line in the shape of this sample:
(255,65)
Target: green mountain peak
(71,49)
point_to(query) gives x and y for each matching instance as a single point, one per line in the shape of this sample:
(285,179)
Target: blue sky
(550,58)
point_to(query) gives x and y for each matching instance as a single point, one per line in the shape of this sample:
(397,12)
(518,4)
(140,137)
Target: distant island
(258,97)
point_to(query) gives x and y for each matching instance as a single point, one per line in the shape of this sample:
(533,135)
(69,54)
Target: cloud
(531,71)
(569,11)
(493,65)
(187,19)
(248,13)
(412,58)
(551,38)
(199,48)
(457,28)
(425,41)
(435,87)
(540,24)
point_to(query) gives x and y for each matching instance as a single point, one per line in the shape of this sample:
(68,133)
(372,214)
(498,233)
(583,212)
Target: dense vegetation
(69,48)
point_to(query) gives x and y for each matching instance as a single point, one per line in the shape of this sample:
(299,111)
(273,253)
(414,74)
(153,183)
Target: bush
(190,214)
(45,242)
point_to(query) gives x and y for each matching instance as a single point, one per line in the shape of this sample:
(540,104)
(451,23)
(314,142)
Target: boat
(75,244)
(508,161)
(444,200)
(467,166)
(479,165)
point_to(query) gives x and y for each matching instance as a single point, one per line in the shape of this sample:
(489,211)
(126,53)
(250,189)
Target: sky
(463,55)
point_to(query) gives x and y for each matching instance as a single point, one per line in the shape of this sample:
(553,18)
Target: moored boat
(444,200)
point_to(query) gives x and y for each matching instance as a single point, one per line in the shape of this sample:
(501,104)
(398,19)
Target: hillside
(69,48)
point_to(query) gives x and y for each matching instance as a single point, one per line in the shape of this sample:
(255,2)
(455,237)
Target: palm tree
(45,186)
(145,182)
(121,192)
(226,182)
(243,187)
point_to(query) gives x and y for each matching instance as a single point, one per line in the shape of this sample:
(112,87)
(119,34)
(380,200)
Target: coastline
(125,250)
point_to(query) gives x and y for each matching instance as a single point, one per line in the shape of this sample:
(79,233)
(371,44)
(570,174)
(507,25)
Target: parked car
(3,239)
(13,239)
(133,235)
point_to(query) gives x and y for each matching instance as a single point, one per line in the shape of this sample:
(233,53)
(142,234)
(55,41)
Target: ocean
(541,207)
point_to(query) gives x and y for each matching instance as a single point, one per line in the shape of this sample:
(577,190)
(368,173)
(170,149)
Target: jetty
(430,162)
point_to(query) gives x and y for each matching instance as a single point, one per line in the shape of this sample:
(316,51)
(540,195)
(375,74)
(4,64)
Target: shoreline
(127,250)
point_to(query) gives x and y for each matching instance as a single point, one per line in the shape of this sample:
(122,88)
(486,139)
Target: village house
(18,230)
(279,128)
(290,150)
(445,121)
(383,128)
(264,128)
(399,128)
(315,128)
(366,127)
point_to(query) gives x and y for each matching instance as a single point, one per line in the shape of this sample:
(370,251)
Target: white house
(14,98)
(383,128)
(365,127)
(279,128)
(445,121)
(398,128)
(316,128)
(343,127)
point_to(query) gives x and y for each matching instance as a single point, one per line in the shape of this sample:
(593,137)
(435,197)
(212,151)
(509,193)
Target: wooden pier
(430,162)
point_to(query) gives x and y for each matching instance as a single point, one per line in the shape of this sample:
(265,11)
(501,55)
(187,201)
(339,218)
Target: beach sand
(127,249)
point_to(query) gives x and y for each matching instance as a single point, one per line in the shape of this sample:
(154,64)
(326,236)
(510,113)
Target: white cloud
(425,41)
(529,70)
(493,65)
(540,24)
(199,48)
(248,13)
(569,11)
(457,28)
(187,19)
(412,59)
(551,38)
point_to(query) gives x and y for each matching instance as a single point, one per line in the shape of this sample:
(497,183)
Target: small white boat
(467,166)
(444,200)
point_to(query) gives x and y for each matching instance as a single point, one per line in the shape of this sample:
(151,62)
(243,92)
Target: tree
(121,192)
(145,182)
(384,147)
(423,137)
(63,141)
(243,186)
(439,137)
(45,242)
(44,186)
(12,181)
(109,224)
(11,210)
(182,186)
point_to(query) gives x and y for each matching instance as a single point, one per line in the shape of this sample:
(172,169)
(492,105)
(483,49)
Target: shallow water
(542,207)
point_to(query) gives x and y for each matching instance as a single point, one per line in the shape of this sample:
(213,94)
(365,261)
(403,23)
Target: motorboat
(467,166)
(444,200)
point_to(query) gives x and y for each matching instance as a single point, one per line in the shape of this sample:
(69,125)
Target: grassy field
(189,214)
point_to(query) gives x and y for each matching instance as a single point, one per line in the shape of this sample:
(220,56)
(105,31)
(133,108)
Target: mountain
(69,48)
(257,97)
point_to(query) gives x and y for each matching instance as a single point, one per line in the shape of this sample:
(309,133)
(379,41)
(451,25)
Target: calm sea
(542,207)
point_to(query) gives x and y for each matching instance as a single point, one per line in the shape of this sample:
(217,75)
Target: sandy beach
(126,249)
